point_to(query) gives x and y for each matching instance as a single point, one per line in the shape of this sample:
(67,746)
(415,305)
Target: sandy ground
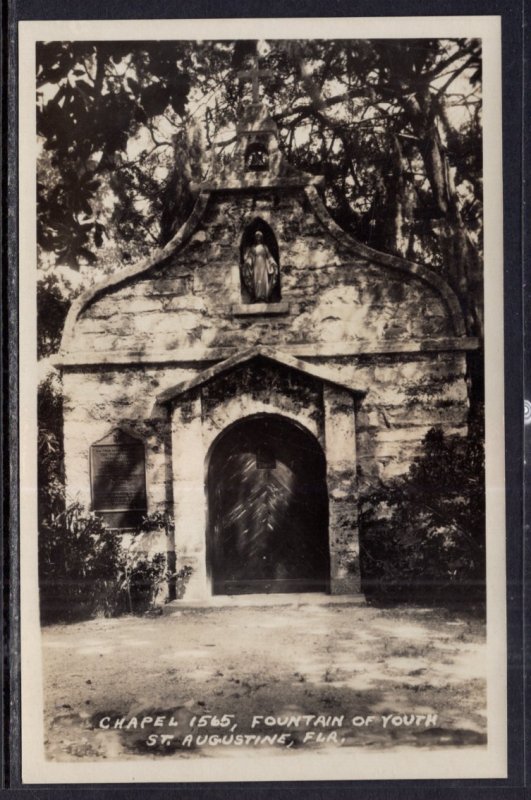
(319,662)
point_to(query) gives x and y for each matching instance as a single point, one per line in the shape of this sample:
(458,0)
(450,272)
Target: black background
(515,99)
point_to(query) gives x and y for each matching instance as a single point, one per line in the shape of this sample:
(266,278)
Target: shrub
(143,576)
(79,561)
(50,451)
(86,569)
(423,535)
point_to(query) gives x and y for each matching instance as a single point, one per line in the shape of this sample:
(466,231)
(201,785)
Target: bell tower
(257,134)
(257,161)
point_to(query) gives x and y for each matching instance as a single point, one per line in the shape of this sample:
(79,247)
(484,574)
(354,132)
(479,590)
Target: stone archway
(263,383)
(267,509)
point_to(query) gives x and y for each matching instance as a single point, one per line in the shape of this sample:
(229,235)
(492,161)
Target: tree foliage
(50,467)
(87,569)
(79,563)
(423,535)
(394,126)
(93,100)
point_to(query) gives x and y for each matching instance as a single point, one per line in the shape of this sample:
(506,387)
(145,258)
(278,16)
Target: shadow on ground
(423,669)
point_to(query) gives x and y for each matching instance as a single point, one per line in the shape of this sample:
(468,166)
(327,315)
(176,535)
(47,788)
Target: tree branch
(454,75)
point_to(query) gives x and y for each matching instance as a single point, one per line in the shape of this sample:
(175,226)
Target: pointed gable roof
(246,356)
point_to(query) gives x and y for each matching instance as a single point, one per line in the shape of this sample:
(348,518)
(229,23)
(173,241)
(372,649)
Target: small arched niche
(269,239)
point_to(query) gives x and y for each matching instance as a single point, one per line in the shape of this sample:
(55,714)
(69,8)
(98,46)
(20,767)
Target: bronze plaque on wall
(118,479)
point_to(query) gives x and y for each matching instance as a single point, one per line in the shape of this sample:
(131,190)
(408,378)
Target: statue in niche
(260,270)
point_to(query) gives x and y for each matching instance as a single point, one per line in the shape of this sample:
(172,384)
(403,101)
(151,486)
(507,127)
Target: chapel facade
(252,377)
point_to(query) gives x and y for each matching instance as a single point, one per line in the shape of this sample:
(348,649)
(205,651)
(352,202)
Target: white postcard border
(402,763)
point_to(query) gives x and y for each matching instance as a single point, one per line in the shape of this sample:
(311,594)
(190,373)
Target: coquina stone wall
(405,398)
(370,326)
(333,297)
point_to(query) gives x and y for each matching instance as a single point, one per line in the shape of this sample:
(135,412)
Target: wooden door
(268,510)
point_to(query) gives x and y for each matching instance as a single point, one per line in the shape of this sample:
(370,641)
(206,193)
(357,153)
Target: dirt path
(284,663)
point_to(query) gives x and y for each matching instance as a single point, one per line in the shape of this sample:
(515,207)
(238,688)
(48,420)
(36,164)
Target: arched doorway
(268,509)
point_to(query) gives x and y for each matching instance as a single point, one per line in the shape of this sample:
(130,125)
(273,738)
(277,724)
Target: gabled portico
(295,414)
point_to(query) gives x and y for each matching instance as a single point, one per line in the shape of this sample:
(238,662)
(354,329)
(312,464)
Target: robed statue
(259,270)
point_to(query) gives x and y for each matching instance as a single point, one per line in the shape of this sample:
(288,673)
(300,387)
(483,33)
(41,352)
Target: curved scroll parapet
(124,275)
(386,259)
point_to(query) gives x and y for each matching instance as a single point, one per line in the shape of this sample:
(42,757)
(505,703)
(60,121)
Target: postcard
(261,341)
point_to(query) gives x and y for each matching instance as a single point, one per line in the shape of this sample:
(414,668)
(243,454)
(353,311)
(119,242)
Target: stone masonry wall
(333,297)
(406,395)
(262,389)
(333,300)
(98,400)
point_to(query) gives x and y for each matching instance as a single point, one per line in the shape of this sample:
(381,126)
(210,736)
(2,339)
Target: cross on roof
(253,75)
